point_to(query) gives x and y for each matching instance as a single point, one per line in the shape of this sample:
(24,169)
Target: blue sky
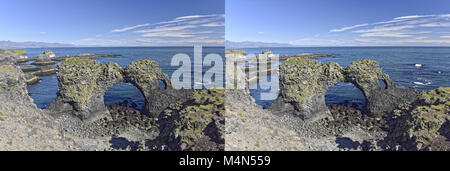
(114,22)
(340,22)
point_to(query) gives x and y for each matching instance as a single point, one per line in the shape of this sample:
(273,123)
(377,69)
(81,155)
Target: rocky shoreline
(393,118)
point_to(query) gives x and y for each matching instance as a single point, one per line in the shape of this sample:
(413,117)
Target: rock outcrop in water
(366,75)
(154,85)
(44,59)
(83,83)
(304,83)
(49,53)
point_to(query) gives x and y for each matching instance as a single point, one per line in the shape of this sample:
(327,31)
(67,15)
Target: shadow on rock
(347,143)
(119,143)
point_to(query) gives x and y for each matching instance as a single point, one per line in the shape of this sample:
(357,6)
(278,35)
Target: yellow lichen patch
(208,103)
(80,78)
(143,71)
(9,69)
(235,51)
(365,70)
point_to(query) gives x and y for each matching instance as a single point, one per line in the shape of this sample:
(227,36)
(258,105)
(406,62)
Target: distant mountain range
(228,44)
(250,44)
(22,45)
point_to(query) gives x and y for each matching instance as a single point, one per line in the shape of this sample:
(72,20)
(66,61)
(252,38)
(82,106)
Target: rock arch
(366,74)
(304,83)
(83,83)
(144,74)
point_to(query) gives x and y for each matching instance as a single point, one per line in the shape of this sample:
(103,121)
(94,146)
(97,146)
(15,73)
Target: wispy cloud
(403,30)
(383,29)
(129,28)
(167,29)
(348,28)
(435,24)
(184,30)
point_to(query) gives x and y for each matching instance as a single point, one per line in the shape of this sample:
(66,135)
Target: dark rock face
(304,82)
(195,125)
(422,124)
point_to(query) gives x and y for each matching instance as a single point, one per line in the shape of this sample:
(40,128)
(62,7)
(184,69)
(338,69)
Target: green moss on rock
(303,78)
(421,121)
(364,70)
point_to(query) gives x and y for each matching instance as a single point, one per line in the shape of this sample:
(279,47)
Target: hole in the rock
(125,94)
(382,84)
(44,92)
(162,85)
(345,94)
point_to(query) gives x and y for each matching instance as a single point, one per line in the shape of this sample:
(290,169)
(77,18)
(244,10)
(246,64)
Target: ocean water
(45,91)
(432,69)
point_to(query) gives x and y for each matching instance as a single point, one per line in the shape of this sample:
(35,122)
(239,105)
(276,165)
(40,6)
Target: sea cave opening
(126,95)
(345,95)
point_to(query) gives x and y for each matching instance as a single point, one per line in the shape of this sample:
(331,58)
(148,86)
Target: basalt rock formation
(304,83)
(83,83)
(154,85)
(367,75)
